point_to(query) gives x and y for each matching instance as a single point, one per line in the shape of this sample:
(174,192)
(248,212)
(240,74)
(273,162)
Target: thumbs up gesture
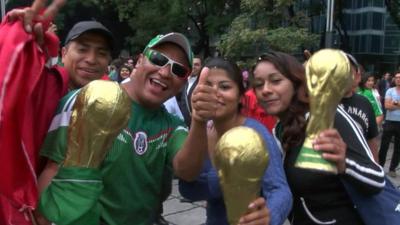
(204,99)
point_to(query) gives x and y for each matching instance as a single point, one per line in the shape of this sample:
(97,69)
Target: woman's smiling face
(227,92)
(274,91)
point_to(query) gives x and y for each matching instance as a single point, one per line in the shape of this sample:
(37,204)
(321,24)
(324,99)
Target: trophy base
(310,159)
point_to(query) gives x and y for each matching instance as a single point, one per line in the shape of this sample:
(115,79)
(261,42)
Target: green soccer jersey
(371,98)
(133,170)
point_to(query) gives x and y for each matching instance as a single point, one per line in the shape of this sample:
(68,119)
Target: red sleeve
(29,94)
(252,109)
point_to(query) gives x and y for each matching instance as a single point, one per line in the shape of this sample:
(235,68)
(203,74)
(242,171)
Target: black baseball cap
(93,26)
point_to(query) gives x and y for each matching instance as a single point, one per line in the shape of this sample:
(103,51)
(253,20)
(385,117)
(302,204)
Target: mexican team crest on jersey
(140,143)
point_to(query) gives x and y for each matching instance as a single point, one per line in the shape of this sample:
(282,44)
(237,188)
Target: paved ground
(182,213)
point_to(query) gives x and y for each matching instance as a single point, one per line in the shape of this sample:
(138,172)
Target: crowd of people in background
(181,105)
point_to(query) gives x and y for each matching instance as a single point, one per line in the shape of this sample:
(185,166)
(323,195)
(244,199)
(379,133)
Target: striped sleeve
(361,169)
(55,144)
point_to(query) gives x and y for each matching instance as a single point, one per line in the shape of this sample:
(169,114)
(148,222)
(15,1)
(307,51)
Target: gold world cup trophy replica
(100,112)
(240,158)
(328,78)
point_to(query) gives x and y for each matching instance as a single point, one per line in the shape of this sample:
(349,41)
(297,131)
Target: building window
(348,4)
(378,3)
(364,21)
(357,24)
(358,4)
(347,21)
(377,21)
(376,43)
(363,43)
(356,44)
(392,44)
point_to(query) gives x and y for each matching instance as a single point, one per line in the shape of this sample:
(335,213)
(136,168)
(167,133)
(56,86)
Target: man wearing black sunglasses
(153,146)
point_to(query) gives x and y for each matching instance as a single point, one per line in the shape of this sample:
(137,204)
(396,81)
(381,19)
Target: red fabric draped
(29,94)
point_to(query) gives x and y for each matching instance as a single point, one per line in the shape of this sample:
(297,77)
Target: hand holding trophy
(240,158)
(328,78)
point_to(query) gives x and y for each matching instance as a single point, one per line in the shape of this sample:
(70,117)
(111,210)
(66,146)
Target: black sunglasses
(161,60)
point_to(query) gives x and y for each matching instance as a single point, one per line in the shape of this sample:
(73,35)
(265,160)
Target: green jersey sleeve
(175,142)
(55,143)
(72,197)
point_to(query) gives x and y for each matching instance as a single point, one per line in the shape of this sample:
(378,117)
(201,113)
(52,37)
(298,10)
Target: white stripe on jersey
(181,128)
(76,180)
(357,131)
(364,169)
(359,168)
(70,102)
(62,119)
(364,179)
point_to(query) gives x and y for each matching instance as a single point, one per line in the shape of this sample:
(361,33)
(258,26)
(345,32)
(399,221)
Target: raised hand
(204,99)
(258,214)
(52,28)
(33,19)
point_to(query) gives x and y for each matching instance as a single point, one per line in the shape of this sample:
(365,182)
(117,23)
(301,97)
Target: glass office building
(371,35)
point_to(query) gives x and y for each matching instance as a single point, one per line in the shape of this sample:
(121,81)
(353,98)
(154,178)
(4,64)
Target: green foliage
(155,17)
(253,6)
(199,19)
(265,25)
(394,10)
(123,7)
(239,28)
(241,41)
(148,18)
(289,39)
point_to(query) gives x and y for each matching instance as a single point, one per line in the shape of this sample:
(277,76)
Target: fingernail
(252,205)
(28,28)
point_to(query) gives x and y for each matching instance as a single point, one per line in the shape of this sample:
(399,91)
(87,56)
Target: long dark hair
(293,122)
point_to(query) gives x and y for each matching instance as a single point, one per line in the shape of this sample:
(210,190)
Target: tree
(210,19)
(264,25)
(393,7)
(77,10)
(200,20)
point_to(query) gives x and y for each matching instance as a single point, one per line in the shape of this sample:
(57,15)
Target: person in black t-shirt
(360,109)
